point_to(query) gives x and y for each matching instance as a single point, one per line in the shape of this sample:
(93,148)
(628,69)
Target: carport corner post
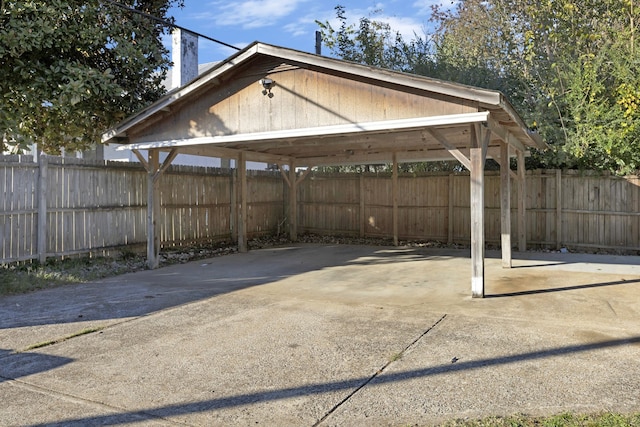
(477,223)
(153,210)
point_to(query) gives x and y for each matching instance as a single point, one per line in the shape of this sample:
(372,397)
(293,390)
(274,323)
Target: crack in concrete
(378,372)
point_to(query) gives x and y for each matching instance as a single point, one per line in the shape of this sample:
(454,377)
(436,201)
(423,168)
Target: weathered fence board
(97,206)
(577,210)
(18,208)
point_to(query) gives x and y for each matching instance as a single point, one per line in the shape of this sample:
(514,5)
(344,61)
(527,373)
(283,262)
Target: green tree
(374,43)
(570,68)
(73,68)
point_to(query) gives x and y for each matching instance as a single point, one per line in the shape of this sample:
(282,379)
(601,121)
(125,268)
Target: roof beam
(505,135)
(318,132)
(383,157)
(230,153)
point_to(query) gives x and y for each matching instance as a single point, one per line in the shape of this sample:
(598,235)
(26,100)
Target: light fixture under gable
(267,84)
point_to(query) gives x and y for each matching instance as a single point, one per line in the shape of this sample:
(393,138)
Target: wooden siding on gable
(302,98)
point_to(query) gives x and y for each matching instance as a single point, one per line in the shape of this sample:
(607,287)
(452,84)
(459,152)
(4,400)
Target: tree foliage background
(570,67)
(70,68)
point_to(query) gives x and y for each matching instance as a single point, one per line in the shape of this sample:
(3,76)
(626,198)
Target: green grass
(28,277)
(395,357)
(606,419)
(65,338)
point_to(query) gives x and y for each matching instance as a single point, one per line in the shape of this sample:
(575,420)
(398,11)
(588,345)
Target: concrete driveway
(309,335)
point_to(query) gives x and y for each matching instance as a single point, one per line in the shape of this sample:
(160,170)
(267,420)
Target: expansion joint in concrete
(379,371)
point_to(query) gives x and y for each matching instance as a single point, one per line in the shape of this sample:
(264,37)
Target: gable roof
(484,106)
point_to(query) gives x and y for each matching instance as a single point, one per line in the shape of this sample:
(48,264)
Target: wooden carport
(285,107)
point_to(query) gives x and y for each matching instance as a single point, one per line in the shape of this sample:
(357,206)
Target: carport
(298,110)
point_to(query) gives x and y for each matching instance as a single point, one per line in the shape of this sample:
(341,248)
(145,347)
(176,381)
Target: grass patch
(606,419)
(65,338)
(28,277)
(395,357)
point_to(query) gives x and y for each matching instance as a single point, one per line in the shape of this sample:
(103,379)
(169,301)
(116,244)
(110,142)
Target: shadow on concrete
(141,293)
(17,365)
(562,289)
(379,378)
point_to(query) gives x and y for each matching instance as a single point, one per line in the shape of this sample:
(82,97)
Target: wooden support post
(233,203)
(363,217)
(242,217)
(284,175)
(522,204)
(505,205)
(558,209)
(153,210)
(451,196)
(394,196)
(293,203)
(154,172)
(156,218)
(477,223)
(293,180)
(43,179)
(634,230)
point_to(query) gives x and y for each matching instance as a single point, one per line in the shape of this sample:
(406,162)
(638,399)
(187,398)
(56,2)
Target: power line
(169,24)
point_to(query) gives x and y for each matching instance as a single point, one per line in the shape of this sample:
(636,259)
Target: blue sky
(290,23)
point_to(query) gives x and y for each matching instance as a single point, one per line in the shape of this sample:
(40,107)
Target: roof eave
(204,79)
(484,97)
(535,140)
(389,76)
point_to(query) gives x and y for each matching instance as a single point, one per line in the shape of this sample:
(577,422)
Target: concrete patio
(326,335)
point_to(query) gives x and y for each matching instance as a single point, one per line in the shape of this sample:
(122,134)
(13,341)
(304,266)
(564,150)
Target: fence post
(394,198)
(635,207)
(451,195)
(522,203)
(233,209)
(558,208)
(362,207)
(242,211)
(293,202)
(42,207)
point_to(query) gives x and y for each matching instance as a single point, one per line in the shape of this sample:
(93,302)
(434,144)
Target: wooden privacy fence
(62,206)
(564,208)
(65,206)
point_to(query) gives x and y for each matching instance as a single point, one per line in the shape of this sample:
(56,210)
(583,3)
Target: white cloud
(407,26)
(253,13)
(425,6)
(298,28)
(297,18)
(306,24)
